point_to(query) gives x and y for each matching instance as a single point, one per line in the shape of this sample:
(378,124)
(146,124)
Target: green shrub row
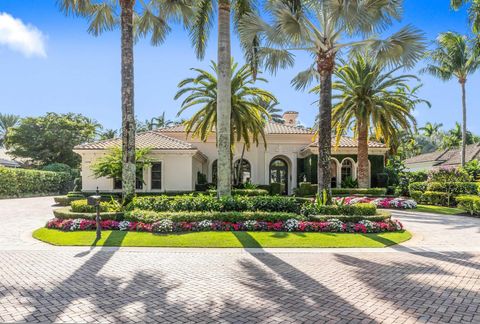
(82,206)
(23,182)
(379,217)
(309,209)
(244,192)
(66,200)
(454,188)
(149,217)
(211,203)
(67,213)
(306,189)
(470,203)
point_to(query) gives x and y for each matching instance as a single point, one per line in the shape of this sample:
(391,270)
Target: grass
(438,210)
(221,239)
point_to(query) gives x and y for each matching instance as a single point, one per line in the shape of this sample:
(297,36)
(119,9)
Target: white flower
(370,226)
(335,225)
(205,224)
(75,224)
(163,226)
(124,225)
(250,224)
(291,225)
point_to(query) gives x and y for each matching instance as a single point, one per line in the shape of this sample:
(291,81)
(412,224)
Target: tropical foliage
(473,12)
(7,121)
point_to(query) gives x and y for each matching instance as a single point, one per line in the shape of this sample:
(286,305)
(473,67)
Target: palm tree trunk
(362,155)
(224,94)
(464,122)
(325,66)
(128,115)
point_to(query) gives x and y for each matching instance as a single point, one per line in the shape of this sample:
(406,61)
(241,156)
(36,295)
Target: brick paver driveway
(39,283)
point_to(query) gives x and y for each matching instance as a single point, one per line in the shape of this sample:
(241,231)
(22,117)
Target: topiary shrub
(436,198)
(418,186)
(470,203)
(67,213)
(309,209)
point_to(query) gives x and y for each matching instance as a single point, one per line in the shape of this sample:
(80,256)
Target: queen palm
(454,58)
(200,32)
(153,19)
(431,129)
(247,117)
(7,121)
(272,108)
(369,97)
(473,12)
(322,29)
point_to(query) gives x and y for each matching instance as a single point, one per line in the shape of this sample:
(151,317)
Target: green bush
(418,186)
(67,213)
(416,195)
(211,203)
(449,175)
(152,217)
(407,178)
(277,188)
(351,219)
(66,200)
(82,206)
(244,192)
(470,203)
(359,191)
(306,189)
(436,198)
(309,209)
(24,183)
(454,188)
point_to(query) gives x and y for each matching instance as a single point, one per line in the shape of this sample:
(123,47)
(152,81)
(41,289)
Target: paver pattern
(40,283)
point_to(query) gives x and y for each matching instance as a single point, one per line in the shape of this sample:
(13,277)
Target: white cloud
(17,36)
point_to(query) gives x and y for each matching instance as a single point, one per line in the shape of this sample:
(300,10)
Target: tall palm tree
(473,12)
(247,118)
(454,57)
(154,18)
(431,129)
(160,121)
(323,29)
(370,97)
(7,121)
(200,33)
(271,107)
(108,134)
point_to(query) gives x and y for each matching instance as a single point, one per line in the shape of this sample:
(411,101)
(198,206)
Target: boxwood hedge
(67,213)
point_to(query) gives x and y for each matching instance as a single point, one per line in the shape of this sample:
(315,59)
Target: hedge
(436,198)
(308,189)
(66,200)
(23,182)
(150,217)
(309,209)
(82,206)
(379,217)
(211,203)
(417,186)
(442,193)
(470,203)
(67,213)
(244,192)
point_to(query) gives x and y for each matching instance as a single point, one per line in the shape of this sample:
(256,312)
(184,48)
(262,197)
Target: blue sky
(76,72)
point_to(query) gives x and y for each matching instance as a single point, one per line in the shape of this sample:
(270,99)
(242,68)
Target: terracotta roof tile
(446,157)
(351,142)
(151,139)
(270,128)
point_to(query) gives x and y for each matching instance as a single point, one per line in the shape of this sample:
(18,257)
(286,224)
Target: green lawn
(221,239)
(438,210)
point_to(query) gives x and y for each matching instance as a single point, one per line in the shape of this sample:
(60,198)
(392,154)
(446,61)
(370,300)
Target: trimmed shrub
(351,219)
(436,198)
(67,213)
(277,188)
(24,183)
(418,186)
(150,217)
(82,206)
(309,209)
(211,203)
(454,188)
(66,200)
(470,203)
(244,192)
(451,174)
(306,189)
(359,191)
(416,195)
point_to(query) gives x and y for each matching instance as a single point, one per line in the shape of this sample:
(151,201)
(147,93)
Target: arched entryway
(242,174)
(279,173)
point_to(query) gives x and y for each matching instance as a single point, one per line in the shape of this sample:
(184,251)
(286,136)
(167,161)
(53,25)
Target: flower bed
(398,203)
(290,225)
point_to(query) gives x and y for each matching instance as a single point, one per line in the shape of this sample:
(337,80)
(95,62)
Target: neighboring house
(289,158)
(442,158)
(8,161)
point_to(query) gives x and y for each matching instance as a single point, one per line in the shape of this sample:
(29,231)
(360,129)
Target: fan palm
(455,58)
(153,18)
(247,118)
(323,28)
(473,12)
(370,96)
(200,32)
(7,121)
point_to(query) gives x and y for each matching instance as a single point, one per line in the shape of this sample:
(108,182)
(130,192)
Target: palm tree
(247,118)
(320,29)
(160,122)
(370,96)
(473,12)
(7,121)
(108,134)
(430,129)
(455,58)
(271,107)
(200,33)
(154,18)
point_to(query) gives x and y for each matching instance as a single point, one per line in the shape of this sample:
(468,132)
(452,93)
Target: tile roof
(350,142)
(270,128)
(446,157)
(151,139)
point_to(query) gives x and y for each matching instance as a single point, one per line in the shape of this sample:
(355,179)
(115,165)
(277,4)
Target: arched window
(279,174)
(242,173)
(347,169)
(214,172)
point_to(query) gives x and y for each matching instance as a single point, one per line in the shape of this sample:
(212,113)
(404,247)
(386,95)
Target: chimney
(290,118)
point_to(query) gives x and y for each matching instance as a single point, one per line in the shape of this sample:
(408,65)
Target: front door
(279,174)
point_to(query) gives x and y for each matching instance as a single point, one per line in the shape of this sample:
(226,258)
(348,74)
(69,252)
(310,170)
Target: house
(289,158)
(8,161)
(442,158)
